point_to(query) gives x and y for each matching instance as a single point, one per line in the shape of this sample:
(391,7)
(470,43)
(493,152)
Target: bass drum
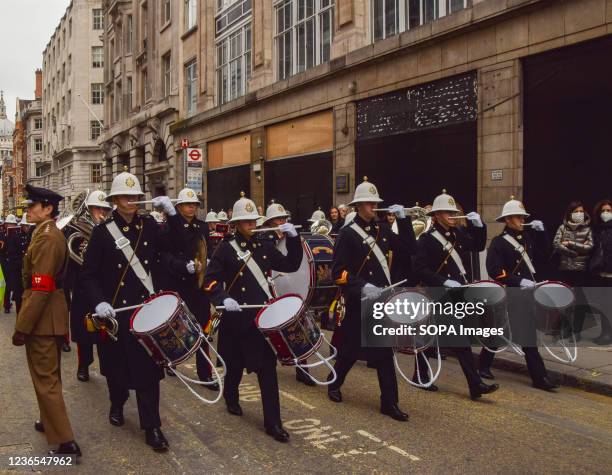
(313,280)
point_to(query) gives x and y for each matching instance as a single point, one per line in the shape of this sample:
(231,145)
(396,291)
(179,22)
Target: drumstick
(222,307)
(458,217)
(396,284)
(405,209)
(145,202)
(122,309)
(263,230)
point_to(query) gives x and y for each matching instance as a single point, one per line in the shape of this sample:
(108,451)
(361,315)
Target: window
(390,17)
(234,64)
(144,84)
(166,11)
(144,23)
(63,71)
(38,123)
(95,129)
(303,34)
(97,93)
(129,94)
(97,56)
(95,173)
(68,100)
(38,145)
(191,11)
(231,16)
(166,75)
(129,34)
(70,28)
(98,19)
(191,87)
(69,63)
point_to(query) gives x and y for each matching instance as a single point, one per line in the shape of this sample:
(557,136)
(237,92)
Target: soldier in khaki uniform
(42,321)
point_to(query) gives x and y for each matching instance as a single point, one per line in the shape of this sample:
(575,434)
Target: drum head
(155,312)
(279,312)
(554,295)
(298,282)
(487,291)
(409,308)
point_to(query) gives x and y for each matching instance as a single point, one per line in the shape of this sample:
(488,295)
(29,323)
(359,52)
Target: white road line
(395,449)
(299,401)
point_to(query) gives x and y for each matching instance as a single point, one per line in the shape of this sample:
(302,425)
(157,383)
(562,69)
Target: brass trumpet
(82,225)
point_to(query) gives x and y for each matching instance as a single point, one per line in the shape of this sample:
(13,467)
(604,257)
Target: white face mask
(578,217)
(606,216)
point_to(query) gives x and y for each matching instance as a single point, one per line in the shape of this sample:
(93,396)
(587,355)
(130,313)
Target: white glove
(289,229)
(371,291)
(537,225)
(527,284)
(231,305)
(105,309)
(398,211)
(450,284)
(191,267)
(475,219)
(165,204)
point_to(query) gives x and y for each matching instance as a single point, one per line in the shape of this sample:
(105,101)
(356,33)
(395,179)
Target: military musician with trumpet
(183,257)
(120,269)
(77,228)
(236,276)
(363,255)
(442,252)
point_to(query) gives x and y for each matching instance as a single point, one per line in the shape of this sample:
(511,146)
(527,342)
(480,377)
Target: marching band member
(442,253)
(317,215)
(120,262)
(11,263)
(183,256)
(211,221)
(235,276)
(510,261)
(42,321)
(276,215)
(361,261)
(98,207)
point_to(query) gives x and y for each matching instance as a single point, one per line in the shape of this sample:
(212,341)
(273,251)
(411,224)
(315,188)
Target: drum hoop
(305,356)
(413,290)
(159,327)
(283,325)
(491,281)
(558,282)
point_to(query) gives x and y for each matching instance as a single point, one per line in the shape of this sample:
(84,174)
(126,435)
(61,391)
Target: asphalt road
(516,430)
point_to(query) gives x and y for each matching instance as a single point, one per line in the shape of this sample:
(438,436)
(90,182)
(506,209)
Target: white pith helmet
(318,215)
(366,192)
(125,184)
(97,198)
(187,195)
(275,210)
(222,216)
(443,202)
(211,217)
(244,209)
(512,208)
(11,219)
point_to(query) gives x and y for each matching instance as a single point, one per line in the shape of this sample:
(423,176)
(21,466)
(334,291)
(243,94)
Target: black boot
(115,416)
(278,433)
(83,373)
(486,373)
(66,347)
(545,385)
(302,377)
(209,379)
(234,408)
(482,388)
(394,412)
(432,387)
(155,438)
(67,448)
(39,427)
(605,338)
(170,373)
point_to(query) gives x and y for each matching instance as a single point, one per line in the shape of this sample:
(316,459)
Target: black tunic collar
(449,233)
(124,225)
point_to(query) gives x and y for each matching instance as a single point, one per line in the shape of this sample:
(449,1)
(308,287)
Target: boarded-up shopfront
(299,164)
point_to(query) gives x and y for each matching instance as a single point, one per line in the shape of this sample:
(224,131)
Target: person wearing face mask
(601,260)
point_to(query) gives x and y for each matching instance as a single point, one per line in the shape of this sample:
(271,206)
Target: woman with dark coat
(601,260)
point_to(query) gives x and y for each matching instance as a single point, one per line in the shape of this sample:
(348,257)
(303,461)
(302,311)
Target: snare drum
(492,296)
(313,280)
(166,328)
(291,332)
(418,318)
(553,305)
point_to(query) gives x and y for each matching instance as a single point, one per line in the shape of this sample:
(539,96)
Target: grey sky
(25,29)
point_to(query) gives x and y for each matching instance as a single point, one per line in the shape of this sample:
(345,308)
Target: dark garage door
(225,185)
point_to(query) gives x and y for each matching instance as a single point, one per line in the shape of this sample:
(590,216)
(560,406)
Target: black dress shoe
(432,387)
(334,394)
(486,373)
(234,408)
(209,379)
(545,384)
(155,438)
(66,348)
(394,412)
(603,339)
(83,373)
(304,378)
(482,388)
(67,448)
(38,426)
(278,433)
(7,310)
(115,416)
(170,373)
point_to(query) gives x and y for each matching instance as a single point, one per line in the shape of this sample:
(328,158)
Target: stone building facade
(6,147)
(73,98)
(36,163)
